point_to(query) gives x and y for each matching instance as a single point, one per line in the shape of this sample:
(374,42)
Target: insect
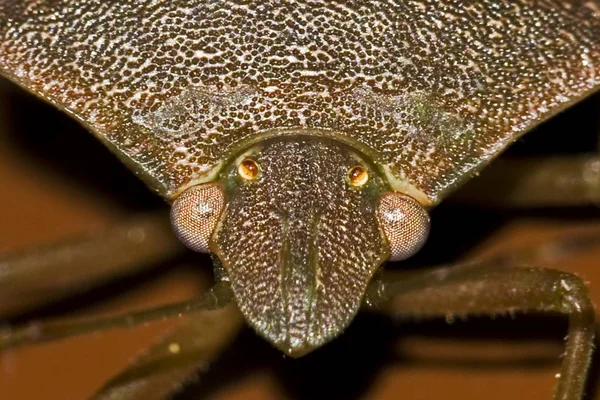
(302,143)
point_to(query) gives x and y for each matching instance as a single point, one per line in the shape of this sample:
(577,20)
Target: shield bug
(302,143)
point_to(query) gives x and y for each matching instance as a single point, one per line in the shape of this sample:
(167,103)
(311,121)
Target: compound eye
(358,176)
(248,169)
(195,214)
(405,223)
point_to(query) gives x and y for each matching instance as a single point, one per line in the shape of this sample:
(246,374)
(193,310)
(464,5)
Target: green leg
(32,278)
(488,289)
(42,331)
(536,182)
(177,358)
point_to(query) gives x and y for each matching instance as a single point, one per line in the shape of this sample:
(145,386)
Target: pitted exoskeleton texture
(433,89)
(299,243)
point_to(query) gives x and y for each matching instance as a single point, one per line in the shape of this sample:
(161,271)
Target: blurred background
(57,182)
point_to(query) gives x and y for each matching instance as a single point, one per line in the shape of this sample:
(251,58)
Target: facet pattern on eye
(405,223)
(195,214)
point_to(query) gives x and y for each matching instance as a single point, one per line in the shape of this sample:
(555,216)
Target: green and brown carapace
(302,143)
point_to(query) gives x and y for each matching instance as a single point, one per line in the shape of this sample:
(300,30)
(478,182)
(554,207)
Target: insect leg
(41,331)
(489,289)
(32,278)
(537,182)
(177,358)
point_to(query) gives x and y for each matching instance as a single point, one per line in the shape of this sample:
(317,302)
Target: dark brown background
(57,181)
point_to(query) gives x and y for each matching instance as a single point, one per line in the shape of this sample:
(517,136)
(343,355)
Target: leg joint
(574,297)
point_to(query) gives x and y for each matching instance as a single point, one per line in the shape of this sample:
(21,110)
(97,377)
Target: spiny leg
(536,182)
(32,278)
(177,358)
(41,331)
(489,289)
